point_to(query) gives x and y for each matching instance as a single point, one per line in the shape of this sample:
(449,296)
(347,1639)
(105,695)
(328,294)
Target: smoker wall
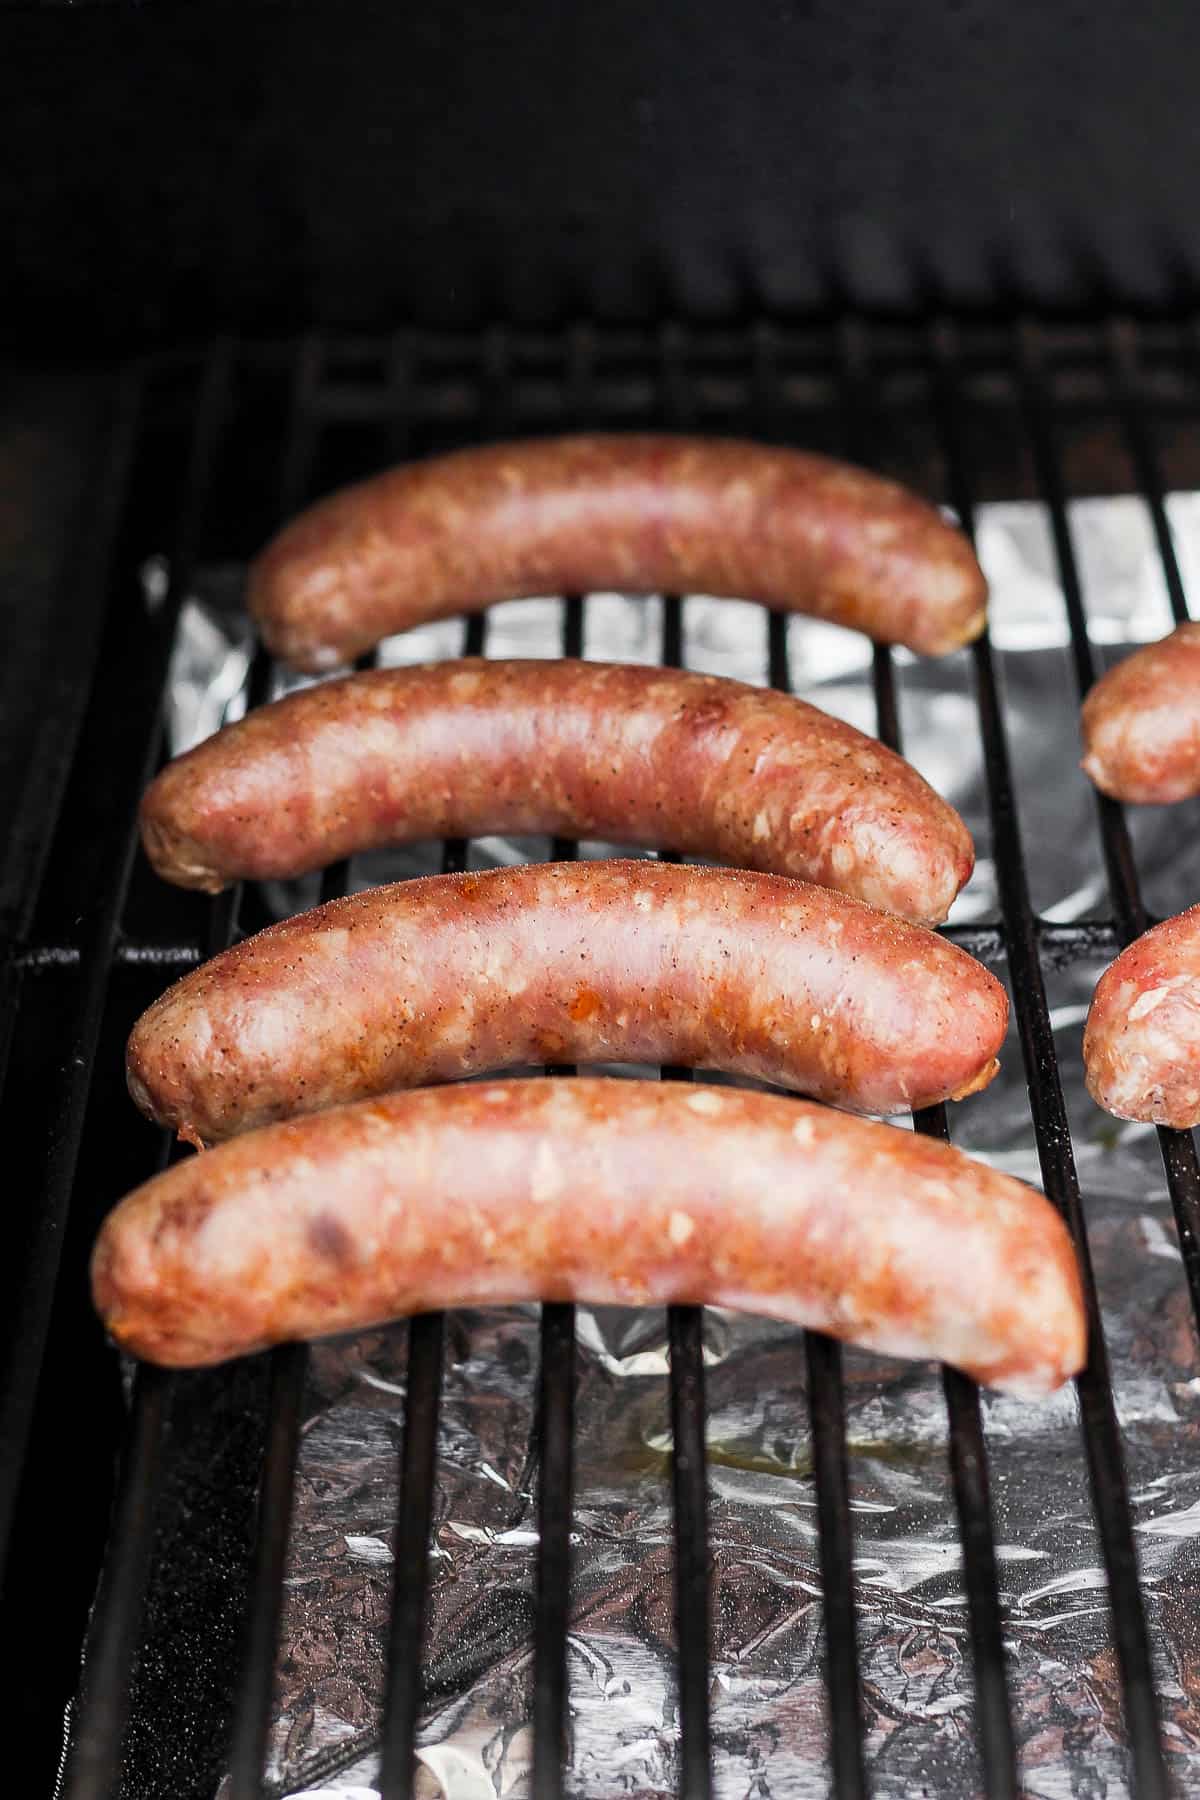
(172,167)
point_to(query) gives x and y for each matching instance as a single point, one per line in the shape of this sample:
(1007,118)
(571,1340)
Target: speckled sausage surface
(605,1192)
(455,975)
(634,513)
(1141,1046)
(693,763)
(1141,723)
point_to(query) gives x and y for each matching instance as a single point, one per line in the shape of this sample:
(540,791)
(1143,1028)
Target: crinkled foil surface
(769,1718)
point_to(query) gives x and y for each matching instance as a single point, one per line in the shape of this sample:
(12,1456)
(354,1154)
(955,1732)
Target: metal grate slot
(412,391)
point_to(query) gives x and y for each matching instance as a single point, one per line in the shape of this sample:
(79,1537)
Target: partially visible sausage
(636,513)
(1141,1046)
(605,1192)
(1141,723)
(456,975)
(701,765)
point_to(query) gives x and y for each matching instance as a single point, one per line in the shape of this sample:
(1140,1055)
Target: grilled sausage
(606,1192)
(639,514)
(455,975)
(709,767)
(1141,1046)
(1141,723)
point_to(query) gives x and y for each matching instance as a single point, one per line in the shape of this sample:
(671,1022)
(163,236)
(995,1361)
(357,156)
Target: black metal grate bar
(1114,834)
(402,1701)
(1123,346)
(93,1769)
(289,1363)
(1062,942)
(555,1420)
(968,1465)
(685,1324)
(410,1595)
(1102,1440)
(556,1410)
(823,1356)
(285,1411)
(685,1329)
(555,1432)
(689,1489)
(827,1410)
(1178,1147)
(972,1498)
(418,1461)
(968,1452)
(289,1366)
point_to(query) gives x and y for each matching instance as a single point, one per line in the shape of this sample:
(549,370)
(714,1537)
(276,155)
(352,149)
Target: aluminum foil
(769,1717)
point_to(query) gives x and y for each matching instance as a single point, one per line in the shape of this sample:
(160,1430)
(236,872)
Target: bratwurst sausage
(456,975)
(638,514)
(1141,1046)
(1141,723)
(706,766)
(605,1192)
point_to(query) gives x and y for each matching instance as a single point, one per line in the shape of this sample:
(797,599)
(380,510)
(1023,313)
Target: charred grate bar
(418,392)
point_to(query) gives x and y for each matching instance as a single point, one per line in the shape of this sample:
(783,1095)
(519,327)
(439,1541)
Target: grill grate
(207,430)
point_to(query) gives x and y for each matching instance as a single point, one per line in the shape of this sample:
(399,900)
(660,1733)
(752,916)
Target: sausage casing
(1141,723)
(662,757)
(633,513)
(1141,1045)
(605,1192)
(456,975)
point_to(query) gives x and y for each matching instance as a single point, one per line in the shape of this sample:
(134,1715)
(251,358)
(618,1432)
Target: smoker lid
(265,166)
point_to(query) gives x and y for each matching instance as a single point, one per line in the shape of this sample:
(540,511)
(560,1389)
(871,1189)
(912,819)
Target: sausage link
(1141,1045)
(456,975)
(705,766)
(636,513)
(605,1192)
(1141,723)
